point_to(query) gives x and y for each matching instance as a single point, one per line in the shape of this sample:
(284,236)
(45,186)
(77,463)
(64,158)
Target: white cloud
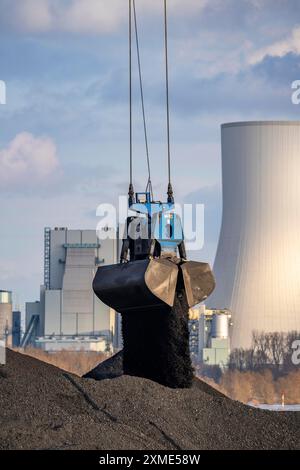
(175,7)
(90,16)
(208,55)
(27,161)
(32,15)
(278,48)
(84,16)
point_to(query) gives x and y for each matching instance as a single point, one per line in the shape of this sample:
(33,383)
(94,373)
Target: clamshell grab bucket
(145,284)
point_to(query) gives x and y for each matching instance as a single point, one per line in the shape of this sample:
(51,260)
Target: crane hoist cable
(132,6)
(149,182)
(131,189)
(170,189)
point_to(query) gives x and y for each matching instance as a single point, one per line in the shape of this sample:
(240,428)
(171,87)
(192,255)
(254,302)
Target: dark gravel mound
(108,369)
(113,367)
(43,407)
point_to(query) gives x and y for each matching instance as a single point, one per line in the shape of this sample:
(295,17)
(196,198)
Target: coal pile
(43,407)
(109,369)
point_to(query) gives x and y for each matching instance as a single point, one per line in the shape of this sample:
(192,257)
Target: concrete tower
(257,266)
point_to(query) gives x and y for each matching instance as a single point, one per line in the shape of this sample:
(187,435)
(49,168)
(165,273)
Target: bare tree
(261,346)
(236,360)
(241,359)
(277,348)
(267,350)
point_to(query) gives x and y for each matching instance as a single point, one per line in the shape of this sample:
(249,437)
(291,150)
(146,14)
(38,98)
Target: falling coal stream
(156,344)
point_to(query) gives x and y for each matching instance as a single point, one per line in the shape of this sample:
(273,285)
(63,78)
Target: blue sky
(64,129)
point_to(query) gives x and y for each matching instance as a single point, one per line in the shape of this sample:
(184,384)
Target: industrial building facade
(16,328)
(6,321)
(68,313)
(257,266)
(209,336)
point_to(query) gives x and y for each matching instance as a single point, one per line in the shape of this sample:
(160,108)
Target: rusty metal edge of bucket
(199,281)
(161,279)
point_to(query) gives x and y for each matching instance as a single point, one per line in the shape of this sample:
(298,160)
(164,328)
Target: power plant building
(257,265)
(16,328)
(209,336)
(69,315)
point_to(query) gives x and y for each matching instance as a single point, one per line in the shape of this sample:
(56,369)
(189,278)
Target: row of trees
(261,373)
(273,350)
(260,386)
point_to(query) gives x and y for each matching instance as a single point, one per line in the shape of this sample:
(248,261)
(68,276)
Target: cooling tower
(257,265)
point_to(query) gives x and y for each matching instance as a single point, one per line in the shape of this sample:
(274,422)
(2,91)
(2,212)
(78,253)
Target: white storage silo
(219,326)
(257,265)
